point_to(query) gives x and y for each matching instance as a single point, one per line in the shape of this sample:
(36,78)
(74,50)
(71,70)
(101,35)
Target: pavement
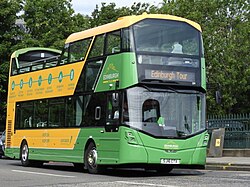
(228,163)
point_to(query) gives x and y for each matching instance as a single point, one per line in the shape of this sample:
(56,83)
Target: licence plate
(169,161)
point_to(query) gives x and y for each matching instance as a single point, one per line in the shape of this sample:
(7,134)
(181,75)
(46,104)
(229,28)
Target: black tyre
(90,160)
(24,154)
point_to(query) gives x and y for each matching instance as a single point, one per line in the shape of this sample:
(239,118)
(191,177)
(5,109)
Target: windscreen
(166,113)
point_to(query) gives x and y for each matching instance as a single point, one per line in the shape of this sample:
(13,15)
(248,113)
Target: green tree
(8,33)
(49,23)
(8,29)
(139,8)
(226,28)
(108,12)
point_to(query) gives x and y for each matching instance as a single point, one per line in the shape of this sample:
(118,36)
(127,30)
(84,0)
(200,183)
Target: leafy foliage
(226,29)
(49,23)
(8,33)
(109,13)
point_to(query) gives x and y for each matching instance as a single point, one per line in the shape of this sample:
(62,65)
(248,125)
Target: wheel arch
(90,140)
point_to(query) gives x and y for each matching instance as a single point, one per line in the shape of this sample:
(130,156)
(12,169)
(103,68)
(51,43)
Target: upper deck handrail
(39,64)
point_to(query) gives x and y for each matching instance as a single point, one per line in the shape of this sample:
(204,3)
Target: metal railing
(237,129)
(38,64)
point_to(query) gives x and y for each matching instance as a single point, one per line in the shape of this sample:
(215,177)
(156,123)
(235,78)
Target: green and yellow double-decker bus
(128,93)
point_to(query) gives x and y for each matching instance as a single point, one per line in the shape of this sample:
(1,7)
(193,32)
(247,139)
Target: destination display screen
(170,75)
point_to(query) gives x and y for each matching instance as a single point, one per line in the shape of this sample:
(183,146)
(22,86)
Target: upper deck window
(78,50)
(65,55)
(113,42)
(126,40)
(97,49)
(166,36)
(75,51)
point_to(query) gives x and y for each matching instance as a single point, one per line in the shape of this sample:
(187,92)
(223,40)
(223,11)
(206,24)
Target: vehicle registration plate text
(169,161)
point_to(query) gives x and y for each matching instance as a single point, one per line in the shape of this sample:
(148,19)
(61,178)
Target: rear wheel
(90,160)
(25,154)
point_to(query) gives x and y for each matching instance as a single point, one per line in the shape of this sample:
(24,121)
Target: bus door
(113,112)
(109,136)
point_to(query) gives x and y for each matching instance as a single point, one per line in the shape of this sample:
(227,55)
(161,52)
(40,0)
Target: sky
(87,7)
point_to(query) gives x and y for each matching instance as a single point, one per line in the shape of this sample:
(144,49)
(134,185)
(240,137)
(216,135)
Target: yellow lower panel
(46,138)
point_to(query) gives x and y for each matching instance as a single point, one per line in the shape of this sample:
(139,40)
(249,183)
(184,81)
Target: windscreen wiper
(181,133)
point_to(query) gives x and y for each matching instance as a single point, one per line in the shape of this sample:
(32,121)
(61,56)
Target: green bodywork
(127,146)
(203,74)
(119,72)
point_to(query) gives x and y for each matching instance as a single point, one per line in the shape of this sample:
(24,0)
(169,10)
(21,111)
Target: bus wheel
(25,154)
(91,159)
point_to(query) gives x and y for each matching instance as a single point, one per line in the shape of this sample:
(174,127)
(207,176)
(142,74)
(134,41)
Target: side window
(40,114)
(113,42)
(13,66)
(24,115)
(95,112)
(126,42)
(65,55)
(56,112)
(113,109)
(18,116)
(74,111)
(81,82)
(78,50)
(89,76)
(92,72)
(125,109)
(98,47)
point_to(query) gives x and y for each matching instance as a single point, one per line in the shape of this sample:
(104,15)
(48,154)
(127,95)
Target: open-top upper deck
(32,59)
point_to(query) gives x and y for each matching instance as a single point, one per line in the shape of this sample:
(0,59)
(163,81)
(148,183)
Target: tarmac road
(12,174)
